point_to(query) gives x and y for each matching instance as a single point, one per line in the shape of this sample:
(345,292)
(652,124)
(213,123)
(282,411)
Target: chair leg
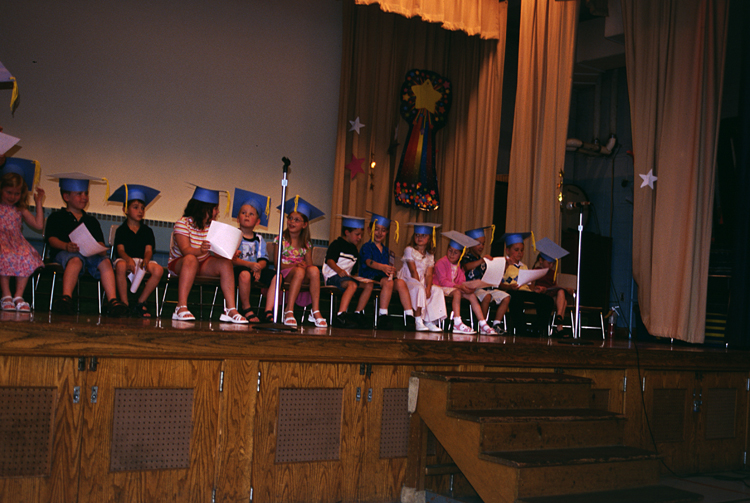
(156,298)
(163,298)
(52,290)
(99,295)
(213,303)
(601,320)
(377,298)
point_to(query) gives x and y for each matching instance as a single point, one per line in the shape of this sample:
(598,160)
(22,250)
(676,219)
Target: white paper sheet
(225,239)
(6,142)
(136,277)
(495,270)
(527,276)
(87,245)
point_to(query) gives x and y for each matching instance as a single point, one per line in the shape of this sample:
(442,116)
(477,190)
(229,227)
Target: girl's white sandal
(235,318)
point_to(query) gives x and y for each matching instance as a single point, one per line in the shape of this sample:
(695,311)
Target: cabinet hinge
(251,494)
(625,384)
(747,384)
(221,381)
(643,386)
(257,390)
(213,495)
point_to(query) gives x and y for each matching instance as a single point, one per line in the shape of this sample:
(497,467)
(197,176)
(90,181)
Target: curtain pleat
(545,75)
(675,59)
(378,50)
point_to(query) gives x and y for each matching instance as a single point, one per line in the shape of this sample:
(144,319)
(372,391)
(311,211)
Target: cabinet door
(40,429)
(308,433)
(150,431)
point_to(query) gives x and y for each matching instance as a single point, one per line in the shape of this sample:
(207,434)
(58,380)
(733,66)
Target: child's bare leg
(186,269)
(221,267)
(244,285)
(121,280)
(486,306)
(364,297)
(5,285)
(313,276)
(108,279)
(561,302)
(502,309)
(271,294)
(21,282)
(349,289)
(386,292)
(156,272)
(295,278)
(475,306)
(70,275)
(456,304)
(403,293)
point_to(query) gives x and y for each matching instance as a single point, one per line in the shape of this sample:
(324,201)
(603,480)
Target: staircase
(532,438)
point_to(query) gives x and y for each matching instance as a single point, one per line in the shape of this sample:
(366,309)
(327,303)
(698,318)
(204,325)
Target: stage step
(517,436)
(648,494)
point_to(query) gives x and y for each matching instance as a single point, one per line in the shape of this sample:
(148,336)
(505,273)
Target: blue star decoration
(355,166)
(648,179)
(356,125)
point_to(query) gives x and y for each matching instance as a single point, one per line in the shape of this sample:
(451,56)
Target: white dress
(433,309)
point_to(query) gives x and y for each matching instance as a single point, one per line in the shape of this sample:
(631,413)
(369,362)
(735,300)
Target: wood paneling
(192,484)
(61,374)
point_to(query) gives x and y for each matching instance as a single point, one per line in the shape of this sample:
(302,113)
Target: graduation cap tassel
(557,262)
(463,252)
(296,202)
(14,97)
(268,208)
(37,175)
(533,242)
(126,194)
(434,243)
(492,235)
(372,231)
(396,221)
(229,202)
(106,193)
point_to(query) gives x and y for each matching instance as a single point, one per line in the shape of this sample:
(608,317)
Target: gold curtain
(545,74)
(675,59)
(378,50)
(475,17)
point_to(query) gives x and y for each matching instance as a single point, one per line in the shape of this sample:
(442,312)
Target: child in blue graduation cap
(17,257)
(474,266)
(419,264)
(74,189)
(190,256)
(548,258)
(376,265)
(296,264)
(134,245)
(251,260)
(519,295)
(342,262)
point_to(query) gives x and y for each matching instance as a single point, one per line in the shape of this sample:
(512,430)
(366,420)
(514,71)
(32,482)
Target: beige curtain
(675,61)
(545,74)
(379,49)
(475,17)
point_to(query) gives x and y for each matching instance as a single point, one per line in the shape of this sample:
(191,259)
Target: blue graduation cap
(459,240)
(549,250)
(76,182)
(512,238)
(129,192)
(479,233)
(381,220)
(425,228)
(261,203)
(204,195)
(29,170)
(352,221)
(301,206)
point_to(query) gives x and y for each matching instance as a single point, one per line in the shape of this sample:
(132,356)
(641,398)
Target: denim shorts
(340,281)
(90,264)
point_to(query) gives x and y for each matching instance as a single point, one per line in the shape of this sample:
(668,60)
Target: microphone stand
(577,330)
(277,287)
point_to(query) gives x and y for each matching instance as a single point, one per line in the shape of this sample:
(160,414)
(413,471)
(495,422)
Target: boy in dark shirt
(74,189)
(341,263)
(134,246)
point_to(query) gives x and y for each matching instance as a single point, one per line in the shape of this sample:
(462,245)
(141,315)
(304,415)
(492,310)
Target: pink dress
(290,258)
(17,256)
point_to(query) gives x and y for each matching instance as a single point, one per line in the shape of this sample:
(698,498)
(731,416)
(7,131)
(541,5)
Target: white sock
(418,318)
(383,312)
(457,319)
(409,312)
(482,323)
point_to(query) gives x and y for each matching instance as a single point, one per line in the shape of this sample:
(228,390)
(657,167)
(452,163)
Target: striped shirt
(185,227)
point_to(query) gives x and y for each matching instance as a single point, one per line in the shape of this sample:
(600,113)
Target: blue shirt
(370,251)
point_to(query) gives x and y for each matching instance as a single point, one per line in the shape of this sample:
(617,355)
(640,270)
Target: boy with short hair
(134,245)
(74,189)
(341,263)
(251,259)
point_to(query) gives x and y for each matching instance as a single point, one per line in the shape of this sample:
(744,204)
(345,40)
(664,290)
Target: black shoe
(384,322)
(410,325)
(344,320)
(116,309)
(362,320)
(64,305)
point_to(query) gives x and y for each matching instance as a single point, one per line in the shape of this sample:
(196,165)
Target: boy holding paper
(134,247)
(475,267)
(74,189)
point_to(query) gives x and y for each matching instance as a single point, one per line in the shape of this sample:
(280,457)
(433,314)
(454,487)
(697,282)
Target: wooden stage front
(94,409)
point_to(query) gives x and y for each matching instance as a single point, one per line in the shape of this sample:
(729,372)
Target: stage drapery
(476,17)
(545,75)
(675,61)
(378,49)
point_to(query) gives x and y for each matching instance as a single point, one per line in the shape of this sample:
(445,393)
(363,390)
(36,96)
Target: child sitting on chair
(251,259)
(342,262)
(74,189)
(549,256)
(134,246)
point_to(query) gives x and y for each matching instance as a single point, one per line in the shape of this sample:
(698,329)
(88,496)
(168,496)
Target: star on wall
(355,166)
(356,125)
(648,179)
(426,96)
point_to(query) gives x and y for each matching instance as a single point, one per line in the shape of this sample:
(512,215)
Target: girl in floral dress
(17,257)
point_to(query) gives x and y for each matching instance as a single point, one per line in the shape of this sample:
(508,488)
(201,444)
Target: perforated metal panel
(668,415)
(720,407)
(151,429)
(394,423)
(27,418)
(309,425)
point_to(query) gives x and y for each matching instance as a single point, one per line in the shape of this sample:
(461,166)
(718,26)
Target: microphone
(582,204)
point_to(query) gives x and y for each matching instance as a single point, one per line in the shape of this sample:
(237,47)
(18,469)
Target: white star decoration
(648,179)
(356,125)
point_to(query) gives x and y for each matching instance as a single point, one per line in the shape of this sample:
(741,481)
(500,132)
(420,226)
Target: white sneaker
(432,327)
(460,328)
(419,325)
